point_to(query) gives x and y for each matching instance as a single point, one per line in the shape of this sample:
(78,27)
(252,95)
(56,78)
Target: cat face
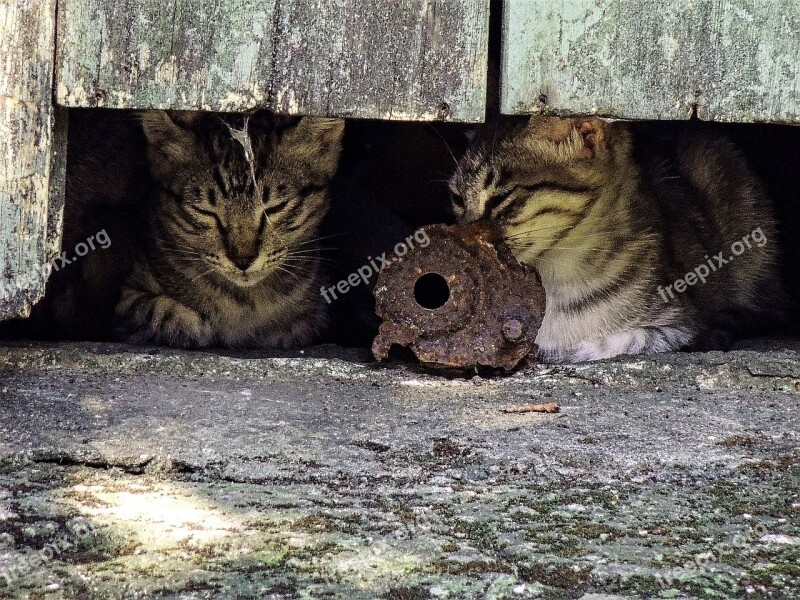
(536,177)
(240,197)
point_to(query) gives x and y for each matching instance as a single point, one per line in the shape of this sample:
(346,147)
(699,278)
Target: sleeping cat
(231,255)
(620,233)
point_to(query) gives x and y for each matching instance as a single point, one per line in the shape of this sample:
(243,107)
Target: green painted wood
(33,153)
(723,60)
(409,59)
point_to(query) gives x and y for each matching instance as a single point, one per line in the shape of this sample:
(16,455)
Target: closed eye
(497,206)
(494,202)
(215,216)
(550,186)
(529,190)
(269,196)
(275,208)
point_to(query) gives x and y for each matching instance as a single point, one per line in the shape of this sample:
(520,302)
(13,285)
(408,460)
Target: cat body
(618,231)
(230,255)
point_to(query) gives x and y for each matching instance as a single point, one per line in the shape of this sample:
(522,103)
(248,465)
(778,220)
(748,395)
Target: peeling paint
(28,146)
(670,46)
(341,59)
(633,59)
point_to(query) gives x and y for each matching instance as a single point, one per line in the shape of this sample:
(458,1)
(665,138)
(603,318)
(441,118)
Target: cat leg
(146,315)
(298,335)
(721,329)
(639,340)
(710,339)
(158,319)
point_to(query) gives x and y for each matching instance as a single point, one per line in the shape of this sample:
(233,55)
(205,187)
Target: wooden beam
(32,159)
(406,59)
(721,60)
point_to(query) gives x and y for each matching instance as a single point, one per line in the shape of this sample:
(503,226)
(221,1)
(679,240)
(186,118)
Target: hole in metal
(431,291)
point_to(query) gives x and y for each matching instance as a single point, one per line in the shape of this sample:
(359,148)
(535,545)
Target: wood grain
(409,59)
(721,60)
(30,210)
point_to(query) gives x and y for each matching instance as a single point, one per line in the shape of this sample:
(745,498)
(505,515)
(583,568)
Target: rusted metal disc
(461,301)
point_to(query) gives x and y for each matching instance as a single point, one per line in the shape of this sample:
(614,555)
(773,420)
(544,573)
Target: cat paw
(294,337)
(711,339)
(158,319)
(637,340)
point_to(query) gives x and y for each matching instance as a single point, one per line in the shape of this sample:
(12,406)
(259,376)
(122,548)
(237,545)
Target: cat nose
(243,261)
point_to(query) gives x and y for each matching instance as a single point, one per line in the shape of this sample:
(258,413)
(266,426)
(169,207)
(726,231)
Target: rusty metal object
(462,301)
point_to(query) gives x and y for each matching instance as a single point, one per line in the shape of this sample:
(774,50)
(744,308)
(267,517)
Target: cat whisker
(181,251)
(532,231)
(494,138)
(307,250)
(530,235)
(590,248)
(555,244)
(599,234)
(203,274)
(551,227)
(446,145)
(298,269)
(557,247)
(317,239)
(184,252)
(543,259)
(313,252)
(171,243)
(311,260)
(173,251)
(287,271)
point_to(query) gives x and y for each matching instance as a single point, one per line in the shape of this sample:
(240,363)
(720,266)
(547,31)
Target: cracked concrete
(150,473)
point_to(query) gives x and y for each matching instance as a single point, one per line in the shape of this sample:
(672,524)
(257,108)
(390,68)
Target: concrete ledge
(129,472)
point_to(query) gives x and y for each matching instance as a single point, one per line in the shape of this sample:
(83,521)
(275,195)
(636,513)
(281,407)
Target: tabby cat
(621,228)
(231,257)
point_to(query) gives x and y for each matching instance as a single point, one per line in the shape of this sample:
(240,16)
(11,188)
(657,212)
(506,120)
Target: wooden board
(32,158)
(409,59)
(723,60)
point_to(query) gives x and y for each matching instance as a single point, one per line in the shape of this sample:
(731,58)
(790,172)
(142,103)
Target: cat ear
(594,134)
(169,137)
(162,127)
(317,141)
(321,131)
(590,134)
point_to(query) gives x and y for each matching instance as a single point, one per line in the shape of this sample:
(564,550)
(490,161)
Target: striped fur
(232,254)
(606,222)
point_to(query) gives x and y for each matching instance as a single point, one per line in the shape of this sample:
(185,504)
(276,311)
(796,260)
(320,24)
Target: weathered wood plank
(725,60)
(29,235)
(164,54)
(410,59)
